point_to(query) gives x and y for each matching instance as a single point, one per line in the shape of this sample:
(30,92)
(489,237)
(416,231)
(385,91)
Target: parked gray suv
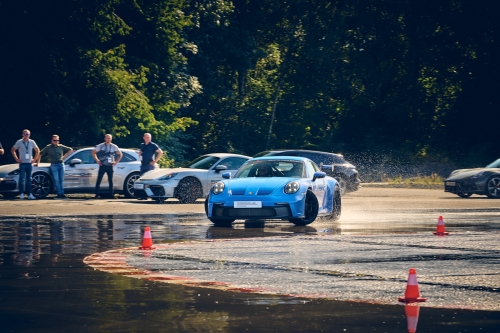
(334,165)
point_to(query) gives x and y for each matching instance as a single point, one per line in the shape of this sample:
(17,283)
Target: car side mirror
(319,174)
(75,161)
(226,175)
(220,168)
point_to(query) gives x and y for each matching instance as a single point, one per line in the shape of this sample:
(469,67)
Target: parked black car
(482,181)
(333,164)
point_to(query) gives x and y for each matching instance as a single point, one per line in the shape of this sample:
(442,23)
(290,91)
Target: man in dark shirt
(147,152)
(56,153)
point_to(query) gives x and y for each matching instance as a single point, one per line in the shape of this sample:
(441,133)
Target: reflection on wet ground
(45,286)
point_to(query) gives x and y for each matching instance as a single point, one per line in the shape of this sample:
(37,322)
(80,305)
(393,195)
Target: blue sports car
(274,187)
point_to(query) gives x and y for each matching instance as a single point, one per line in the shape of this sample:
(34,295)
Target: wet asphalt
(257,277)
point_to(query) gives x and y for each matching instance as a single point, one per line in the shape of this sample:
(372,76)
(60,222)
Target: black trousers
(105,169)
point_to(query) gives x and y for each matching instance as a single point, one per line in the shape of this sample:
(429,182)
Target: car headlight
(218,188)
(168,176)
(477,175)
(292,187)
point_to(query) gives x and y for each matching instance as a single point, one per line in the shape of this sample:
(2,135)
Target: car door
(318,186)
(82,176)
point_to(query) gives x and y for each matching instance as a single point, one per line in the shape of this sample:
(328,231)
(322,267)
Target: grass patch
(432,181)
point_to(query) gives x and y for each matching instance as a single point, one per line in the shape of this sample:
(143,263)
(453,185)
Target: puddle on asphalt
(46,287)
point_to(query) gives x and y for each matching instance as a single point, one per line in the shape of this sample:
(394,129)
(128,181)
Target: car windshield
(495,164)
(202,162)
(272,168)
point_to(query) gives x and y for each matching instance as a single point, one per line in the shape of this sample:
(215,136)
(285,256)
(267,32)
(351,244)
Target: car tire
(128,185)
(223,223)
(464,194)
(41,185)
(337,206)
(188,190)
(493,187)
(311,208)
(160,200)
(342,185)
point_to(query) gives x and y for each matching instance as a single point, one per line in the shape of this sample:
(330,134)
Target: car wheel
(41,185)
(464,195)
(337,206)
(128,185)
(493,187)
(160,200)
(311,208)
(9,195)
(188,190)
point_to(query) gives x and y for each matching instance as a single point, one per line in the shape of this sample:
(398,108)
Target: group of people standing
(26,152)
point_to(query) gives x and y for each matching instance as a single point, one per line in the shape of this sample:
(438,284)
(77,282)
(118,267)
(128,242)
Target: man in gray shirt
(25,147)
(109,156)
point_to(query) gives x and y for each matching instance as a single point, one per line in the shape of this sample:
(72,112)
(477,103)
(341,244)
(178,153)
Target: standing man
(147,154)
(25,146)
(1,149)
(106,161)
(56,153)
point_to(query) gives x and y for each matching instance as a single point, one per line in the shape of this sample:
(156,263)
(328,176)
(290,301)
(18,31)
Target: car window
(275,168)
(495,164)
(127,158)
(202,162)
(85,156)
(310,169)
(232,163)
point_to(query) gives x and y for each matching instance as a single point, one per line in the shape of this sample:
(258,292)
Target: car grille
(254,212)
(158,190)
(8,185)
(249,213)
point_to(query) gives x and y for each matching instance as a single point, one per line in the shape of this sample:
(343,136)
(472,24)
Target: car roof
(301,150)
(274,158)
(128,150)
(226,155)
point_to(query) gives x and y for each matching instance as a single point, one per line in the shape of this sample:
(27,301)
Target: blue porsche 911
(274,187)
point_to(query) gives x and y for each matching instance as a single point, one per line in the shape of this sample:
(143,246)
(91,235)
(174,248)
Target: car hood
(466,173)
(5,169)
(258,185)
(157,173)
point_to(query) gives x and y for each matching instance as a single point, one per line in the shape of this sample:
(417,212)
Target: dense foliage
(410,79)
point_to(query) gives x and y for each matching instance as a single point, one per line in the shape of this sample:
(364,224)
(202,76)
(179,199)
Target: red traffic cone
(412,293)
(440,230)
(147,241)
(412,312)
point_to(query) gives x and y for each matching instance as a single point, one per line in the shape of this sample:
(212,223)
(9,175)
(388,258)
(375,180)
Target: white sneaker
(21,196)
(31,197)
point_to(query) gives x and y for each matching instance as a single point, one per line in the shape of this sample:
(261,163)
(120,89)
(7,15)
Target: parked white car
(80,175)
(190,182)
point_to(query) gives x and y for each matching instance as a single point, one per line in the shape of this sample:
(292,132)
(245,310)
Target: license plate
(248,204)
(138,186)
(451,184)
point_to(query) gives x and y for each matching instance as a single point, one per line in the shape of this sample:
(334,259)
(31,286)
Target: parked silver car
(80,175)
(190,182)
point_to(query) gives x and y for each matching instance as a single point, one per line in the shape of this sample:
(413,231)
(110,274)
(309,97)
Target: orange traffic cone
(440,230)
(412,312)
(147,241)
(412,293)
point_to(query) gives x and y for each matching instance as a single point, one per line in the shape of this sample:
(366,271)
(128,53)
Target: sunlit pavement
(455,271)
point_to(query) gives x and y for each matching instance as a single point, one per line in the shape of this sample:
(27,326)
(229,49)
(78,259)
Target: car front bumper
(7,185)
(154,190)
(463,186)
(271,207)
